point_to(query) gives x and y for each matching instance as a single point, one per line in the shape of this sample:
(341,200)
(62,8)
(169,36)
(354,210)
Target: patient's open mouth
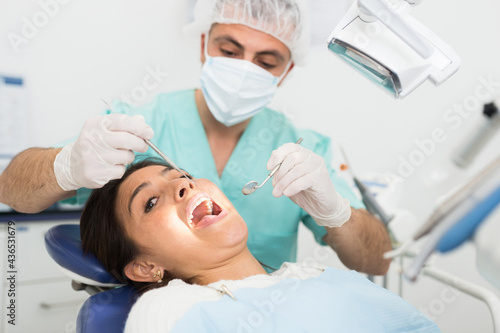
(203,211)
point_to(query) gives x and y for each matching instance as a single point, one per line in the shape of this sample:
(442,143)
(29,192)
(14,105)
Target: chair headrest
(63,244)
(106,311)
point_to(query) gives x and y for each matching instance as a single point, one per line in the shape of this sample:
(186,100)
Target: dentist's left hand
(304,178)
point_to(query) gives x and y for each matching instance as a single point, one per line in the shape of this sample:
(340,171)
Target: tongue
(199,212)
(205,220)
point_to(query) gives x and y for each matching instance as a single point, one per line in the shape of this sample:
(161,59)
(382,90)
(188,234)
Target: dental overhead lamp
(382,41)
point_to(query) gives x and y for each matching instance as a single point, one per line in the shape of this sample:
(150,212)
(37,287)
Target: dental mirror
(251,186)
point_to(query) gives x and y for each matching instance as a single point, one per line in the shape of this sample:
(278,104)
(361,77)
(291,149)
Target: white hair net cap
(286,20)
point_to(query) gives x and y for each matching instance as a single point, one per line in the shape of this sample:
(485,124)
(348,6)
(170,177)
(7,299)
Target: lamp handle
(397,23)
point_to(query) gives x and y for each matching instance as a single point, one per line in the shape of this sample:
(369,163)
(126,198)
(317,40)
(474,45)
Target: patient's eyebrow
(165,171)
(143,185)
(136,191)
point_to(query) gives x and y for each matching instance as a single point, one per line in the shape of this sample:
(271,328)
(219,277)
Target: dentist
(224,132)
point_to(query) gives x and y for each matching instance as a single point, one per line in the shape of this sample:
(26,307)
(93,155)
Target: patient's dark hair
(104,236)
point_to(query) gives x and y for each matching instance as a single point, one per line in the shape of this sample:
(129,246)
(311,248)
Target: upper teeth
(197,203)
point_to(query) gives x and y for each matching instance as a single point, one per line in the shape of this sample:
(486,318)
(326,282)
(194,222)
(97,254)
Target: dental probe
(158,151)
(169,161)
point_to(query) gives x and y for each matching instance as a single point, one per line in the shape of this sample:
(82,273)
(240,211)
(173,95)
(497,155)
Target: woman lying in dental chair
(183,246)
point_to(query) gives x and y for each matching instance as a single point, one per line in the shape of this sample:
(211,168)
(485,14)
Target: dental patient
(183,247)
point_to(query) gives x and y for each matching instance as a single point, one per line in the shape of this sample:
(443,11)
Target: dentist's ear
(142,272)
(292,65)
(202,48)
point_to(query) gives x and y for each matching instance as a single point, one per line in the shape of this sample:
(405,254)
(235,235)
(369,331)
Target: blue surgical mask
(236,89)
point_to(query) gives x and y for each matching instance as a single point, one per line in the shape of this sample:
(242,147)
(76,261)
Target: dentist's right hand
(101,152)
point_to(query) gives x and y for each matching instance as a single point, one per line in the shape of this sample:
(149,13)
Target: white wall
(92,49)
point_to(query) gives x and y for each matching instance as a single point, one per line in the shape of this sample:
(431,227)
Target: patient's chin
(236,233)
(229,232)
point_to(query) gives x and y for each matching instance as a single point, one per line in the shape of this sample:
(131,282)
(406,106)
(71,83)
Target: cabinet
(44,299)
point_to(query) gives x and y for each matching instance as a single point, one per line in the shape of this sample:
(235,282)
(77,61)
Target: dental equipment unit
(158,151)
(476,191)
(392,49)
(456,219)
(482,133)
(251,186)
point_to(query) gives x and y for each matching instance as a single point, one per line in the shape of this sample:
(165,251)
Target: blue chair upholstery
(106,311)
(63,243)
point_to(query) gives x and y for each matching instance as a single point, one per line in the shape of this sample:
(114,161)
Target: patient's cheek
(205,184)
(208,187)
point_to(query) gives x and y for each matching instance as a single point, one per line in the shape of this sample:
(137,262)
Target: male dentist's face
(242,42)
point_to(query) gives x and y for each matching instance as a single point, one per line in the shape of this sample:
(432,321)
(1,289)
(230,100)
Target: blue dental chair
(107,308)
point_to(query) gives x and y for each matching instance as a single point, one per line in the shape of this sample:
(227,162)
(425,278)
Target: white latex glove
(304,178)
(101,152)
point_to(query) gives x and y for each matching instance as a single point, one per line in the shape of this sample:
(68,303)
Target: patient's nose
(183,188)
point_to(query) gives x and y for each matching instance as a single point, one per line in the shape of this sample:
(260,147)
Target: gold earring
(158,274)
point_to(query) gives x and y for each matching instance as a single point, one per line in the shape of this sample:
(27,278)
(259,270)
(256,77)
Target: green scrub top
(272,222)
